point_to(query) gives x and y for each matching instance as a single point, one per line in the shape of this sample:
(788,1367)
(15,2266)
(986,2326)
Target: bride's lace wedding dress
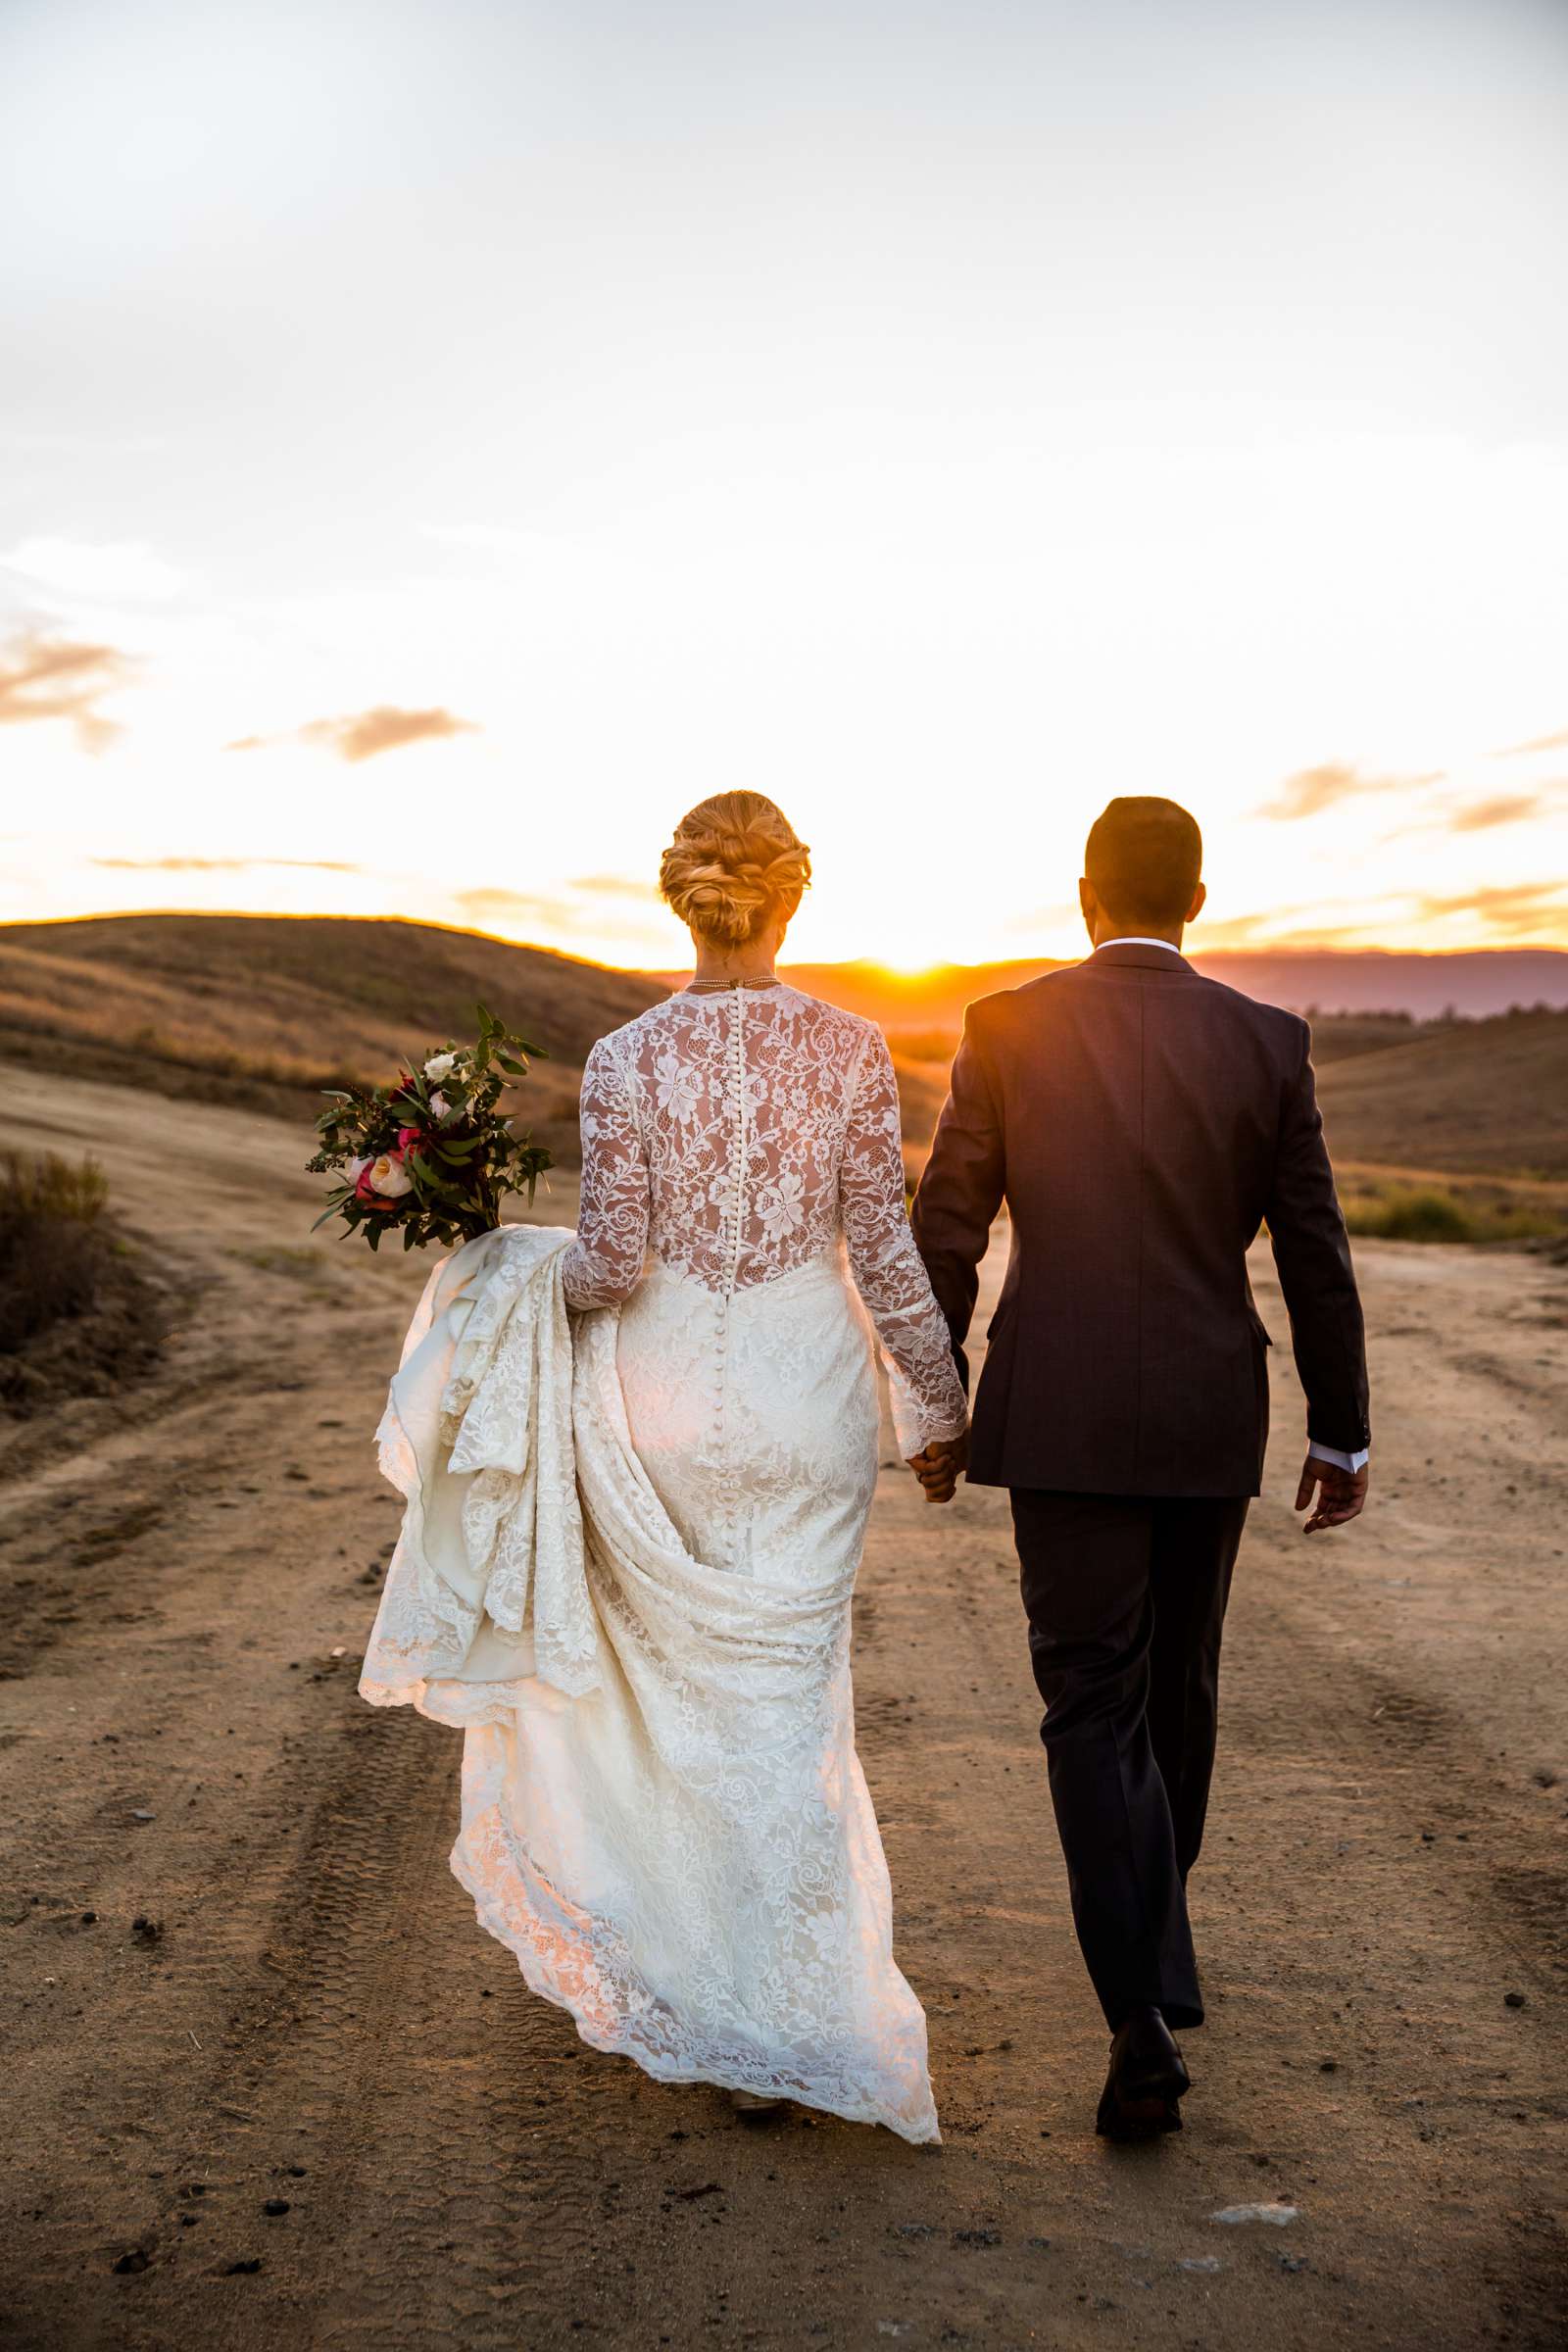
(668,1824)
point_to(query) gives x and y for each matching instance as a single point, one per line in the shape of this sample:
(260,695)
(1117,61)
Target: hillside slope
(261,1010)
(1460,1099)
(1483,1097)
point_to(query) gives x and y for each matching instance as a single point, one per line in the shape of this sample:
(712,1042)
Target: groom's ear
(1196,906)
(1089,903)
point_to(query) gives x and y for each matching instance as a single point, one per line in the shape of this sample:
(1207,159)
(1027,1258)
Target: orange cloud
(1511,906)
(1311,789)
(1505,808)
(50,678)
(366,733)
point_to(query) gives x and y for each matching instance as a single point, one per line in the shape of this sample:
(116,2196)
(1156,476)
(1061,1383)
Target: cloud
(1312,789)
(368,733)
(124,569)
(1542,743)
(51,677)
(1309,925)
(1505,809)
(614,885)
(221,866)
(576,909)
(515,906)
(1508,906)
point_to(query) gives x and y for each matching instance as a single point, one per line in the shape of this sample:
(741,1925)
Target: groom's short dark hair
(1143,859)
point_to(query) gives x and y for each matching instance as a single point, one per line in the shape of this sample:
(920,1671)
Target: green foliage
(1403,1212)
(443,1139)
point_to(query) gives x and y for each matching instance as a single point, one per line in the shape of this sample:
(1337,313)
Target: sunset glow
(444,444)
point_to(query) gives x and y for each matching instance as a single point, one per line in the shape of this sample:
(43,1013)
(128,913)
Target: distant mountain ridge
(1473,983)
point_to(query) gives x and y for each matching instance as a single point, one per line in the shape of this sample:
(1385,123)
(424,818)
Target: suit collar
(1136,954)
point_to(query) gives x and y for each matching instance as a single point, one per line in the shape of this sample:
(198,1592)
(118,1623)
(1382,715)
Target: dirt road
(268,2084)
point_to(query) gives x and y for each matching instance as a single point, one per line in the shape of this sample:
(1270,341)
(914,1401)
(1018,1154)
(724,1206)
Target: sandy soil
(270,2086)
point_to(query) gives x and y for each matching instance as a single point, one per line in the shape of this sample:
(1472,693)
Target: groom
(1141,1123)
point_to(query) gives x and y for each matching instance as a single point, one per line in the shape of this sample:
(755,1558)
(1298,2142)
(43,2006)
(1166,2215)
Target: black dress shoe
(1146,2081)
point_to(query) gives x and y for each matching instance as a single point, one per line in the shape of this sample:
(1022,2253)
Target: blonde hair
(734,866)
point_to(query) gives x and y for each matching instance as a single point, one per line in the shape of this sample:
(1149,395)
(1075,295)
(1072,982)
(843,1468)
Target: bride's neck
(717,964)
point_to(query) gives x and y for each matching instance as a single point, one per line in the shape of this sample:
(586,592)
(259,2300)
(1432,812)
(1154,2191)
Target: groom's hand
(1340,1492)
(937,1466)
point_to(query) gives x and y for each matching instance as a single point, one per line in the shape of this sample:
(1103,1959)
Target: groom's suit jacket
(1140,1122)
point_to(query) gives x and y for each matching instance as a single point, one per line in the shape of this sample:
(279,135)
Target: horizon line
(896,973)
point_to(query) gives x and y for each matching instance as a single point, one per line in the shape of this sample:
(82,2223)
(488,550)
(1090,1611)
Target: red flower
(364,1192)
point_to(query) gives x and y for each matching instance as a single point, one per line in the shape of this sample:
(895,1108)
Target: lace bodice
(738,1136)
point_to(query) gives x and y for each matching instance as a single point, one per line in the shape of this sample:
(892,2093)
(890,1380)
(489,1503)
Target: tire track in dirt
(321,1997)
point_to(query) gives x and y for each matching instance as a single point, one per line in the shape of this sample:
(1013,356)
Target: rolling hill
(262,1010)
(1479,1099)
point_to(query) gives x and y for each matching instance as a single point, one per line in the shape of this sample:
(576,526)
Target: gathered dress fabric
(637,1466)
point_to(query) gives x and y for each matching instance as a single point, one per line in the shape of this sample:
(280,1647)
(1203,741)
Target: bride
(639,1465)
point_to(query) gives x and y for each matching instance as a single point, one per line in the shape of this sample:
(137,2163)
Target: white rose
(440,1065)
(389,1177)
(356,1169)
(438,1104)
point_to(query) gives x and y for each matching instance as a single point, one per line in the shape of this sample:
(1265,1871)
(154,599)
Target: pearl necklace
(714,987)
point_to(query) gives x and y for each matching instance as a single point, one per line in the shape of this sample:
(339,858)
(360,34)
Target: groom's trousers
(1126,1598)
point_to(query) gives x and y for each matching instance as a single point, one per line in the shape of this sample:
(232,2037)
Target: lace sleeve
(927,1397)
(605,1263)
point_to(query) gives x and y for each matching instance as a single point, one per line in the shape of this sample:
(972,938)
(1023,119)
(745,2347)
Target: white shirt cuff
(1341,1461)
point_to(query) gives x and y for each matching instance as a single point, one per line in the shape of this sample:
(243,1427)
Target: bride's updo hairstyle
(734,866)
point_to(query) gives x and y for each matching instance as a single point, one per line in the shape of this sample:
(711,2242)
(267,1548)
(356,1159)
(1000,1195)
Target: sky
(442,440)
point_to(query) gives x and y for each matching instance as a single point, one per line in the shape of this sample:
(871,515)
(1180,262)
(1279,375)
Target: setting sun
(1001,482)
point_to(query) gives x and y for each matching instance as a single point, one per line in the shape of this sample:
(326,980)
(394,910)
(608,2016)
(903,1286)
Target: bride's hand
(937,1466)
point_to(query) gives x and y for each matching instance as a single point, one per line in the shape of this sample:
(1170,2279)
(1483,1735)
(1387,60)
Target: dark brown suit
(1141,1123)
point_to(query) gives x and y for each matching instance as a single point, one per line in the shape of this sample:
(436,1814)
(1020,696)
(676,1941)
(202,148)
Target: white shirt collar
(1137,943)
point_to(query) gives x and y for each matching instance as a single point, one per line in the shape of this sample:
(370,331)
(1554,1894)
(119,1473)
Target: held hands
(1340,1492)
(937,1466)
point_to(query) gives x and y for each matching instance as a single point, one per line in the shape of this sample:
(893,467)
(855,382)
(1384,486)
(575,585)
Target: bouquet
(432,1157)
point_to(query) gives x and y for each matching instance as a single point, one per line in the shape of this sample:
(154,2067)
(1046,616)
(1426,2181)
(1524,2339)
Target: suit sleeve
(1312,1254)
(962,1188)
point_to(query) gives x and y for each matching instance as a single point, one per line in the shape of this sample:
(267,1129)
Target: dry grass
(1432,1212)
(52,1246)
(1465,1097)
(75,1315)
(261,1011)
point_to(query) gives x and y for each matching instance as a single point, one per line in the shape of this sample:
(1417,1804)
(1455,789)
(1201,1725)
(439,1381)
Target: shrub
(53,1250)
(79,1316)
(1402,1213)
